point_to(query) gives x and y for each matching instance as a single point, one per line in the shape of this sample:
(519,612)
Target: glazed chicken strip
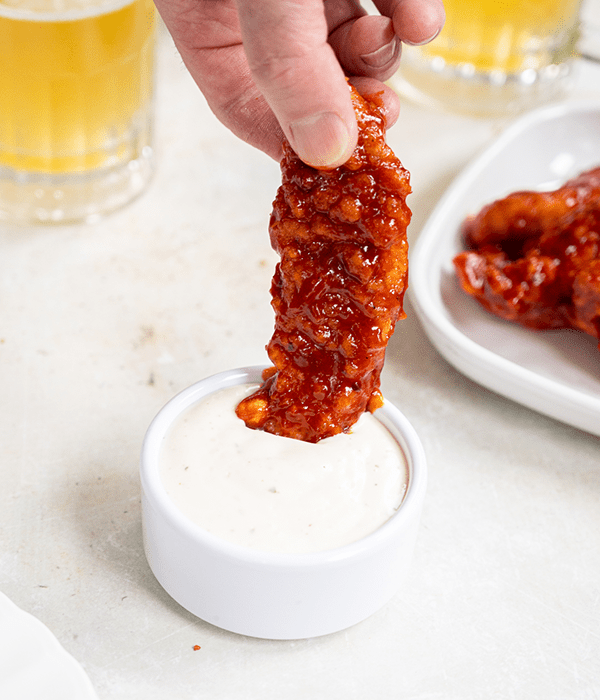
(522,215)
(547,276)
(338,289)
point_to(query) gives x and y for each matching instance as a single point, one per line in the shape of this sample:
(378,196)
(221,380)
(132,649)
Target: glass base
(462,89)
(30,198)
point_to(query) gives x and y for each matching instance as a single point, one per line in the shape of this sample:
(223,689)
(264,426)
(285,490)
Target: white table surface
(100,325)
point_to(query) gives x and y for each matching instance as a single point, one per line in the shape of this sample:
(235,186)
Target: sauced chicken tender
(530,214)
(534,258)
(338,289)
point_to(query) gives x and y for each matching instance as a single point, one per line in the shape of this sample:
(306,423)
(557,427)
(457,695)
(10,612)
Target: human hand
(275,68)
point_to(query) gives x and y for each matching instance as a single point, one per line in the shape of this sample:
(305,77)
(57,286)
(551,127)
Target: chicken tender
(338,289)
(538,266)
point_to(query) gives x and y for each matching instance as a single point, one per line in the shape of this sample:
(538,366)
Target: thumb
(300,77)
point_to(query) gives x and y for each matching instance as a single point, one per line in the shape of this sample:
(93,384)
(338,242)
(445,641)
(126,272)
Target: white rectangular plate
(556,373)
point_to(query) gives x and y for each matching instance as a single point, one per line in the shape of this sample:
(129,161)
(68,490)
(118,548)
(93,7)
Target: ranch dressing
(277,494)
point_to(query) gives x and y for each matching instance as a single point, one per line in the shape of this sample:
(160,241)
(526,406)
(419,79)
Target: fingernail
(383,56)
(421,43)
(320,140)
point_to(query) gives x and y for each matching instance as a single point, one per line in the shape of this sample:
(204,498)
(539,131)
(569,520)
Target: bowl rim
(158,499)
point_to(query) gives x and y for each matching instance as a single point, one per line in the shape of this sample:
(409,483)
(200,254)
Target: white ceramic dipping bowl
(266,594)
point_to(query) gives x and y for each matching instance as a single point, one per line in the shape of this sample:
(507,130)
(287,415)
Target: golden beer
(501,51)
(505,36)
(75,94)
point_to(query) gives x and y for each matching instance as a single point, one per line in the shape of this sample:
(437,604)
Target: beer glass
(76,86)
(494,56)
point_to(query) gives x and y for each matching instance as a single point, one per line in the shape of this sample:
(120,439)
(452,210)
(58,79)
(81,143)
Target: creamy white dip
(277,494)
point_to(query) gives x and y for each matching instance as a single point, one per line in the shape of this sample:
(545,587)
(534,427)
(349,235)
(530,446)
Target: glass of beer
(494,56)
(76,93)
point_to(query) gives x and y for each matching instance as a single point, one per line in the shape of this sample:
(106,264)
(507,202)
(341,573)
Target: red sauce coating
(534,258)
(338,290)
(527,214)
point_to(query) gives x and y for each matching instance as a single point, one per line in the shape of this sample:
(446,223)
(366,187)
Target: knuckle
(282,71)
